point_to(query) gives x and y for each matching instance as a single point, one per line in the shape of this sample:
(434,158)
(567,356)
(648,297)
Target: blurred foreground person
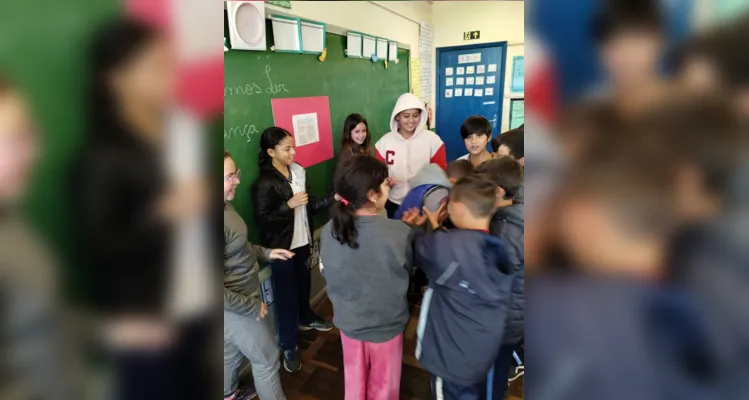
(603,326)
(128,209)
(32,362)
(631,41)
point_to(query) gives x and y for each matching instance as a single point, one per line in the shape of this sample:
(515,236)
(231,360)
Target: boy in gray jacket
(245,332)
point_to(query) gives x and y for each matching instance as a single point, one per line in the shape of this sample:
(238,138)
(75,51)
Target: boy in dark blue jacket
(465,308)
(508,224)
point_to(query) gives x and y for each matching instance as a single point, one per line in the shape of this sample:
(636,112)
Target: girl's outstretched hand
(280,254)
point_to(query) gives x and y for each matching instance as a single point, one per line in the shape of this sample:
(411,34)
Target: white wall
(396,20)
(399,20)
(498,21)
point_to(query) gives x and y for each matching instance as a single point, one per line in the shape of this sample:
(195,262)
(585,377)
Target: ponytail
(353,182)
(344,224)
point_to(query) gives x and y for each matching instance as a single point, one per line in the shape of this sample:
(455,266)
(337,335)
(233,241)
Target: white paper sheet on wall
(368,46)
(480,69)
(448,81)
(468,91)
(488,91)
(470,69)
(392,51)
(491,79)
(478,93)
(492,67)
(470,80)
(353,44)
(426,49)
(479,80)
(448,71)
(382,48)
(461,70)
(306,130)
(460,81)
(458,92)
(449,93)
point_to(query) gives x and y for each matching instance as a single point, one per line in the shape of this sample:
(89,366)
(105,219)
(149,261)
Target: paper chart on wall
(426,49)
(305,129)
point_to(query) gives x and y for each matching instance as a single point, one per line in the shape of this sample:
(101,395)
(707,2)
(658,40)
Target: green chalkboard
(42,50)
(252,79)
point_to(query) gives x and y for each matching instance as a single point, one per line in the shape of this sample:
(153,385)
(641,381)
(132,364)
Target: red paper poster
(308,119)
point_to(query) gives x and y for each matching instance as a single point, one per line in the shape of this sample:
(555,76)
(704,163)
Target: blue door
(470,81)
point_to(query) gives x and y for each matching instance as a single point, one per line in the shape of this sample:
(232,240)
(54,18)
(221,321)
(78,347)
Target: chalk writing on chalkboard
(245,132)
(253,88)
(518,74)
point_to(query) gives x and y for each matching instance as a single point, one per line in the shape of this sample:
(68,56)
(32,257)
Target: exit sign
(472,35)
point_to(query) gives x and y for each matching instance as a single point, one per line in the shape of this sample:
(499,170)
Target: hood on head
(408,101)
(430,174)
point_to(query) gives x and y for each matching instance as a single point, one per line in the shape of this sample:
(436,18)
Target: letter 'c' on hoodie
(405,157)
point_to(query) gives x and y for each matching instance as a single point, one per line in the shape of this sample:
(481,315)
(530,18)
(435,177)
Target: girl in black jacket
(284,209)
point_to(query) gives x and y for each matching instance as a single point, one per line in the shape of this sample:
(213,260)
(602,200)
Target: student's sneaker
(318,324)
(291,362)
(519,371)
(246,393)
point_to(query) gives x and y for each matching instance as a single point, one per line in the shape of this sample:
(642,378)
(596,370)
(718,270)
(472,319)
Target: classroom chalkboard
(252,79)
(42,51)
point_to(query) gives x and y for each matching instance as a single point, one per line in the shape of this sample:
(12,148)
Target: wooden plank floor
(321,377)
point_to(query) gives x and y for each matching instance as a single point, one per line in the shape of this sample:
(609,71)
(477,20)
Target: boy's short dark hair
(621,15)
(475,125)
(514,140)
(477,193)
(459,169)
(503,172)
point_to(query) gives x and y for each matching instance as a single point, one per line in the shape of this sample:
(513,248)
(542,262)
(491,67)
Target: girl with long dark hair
(367,261)
(284,209)
(127,208)
(356,138)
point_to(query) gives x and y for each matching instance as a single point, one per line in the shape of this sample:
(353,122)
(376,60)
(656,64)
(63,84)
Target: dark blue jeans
(291,286)
(501,373)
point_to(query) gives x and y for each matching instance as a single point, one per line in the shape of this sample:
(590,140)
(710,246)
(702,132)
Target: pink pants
(372,370)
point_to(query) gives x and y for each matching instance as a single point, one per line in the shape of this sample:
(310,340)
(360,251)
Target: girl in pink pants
(372,370)
(366,261)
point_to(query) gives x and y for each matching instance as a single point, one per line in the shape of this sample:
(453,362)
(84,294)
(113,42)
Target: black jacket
(508,224)
(124,244)
(275,218)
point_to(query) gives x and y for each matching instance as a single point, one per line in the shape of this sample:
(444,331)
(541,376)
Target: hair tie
(344,201)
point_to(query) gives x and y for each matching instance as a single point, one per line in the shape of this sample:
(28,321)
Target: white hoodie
(405,158)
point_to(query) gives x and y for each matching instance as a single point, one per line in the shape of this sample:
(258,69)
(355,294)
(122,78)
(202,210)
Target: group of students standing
(472,311)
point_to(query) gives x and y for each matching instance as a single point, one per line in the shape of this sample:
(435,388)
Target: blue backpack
(415,199)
